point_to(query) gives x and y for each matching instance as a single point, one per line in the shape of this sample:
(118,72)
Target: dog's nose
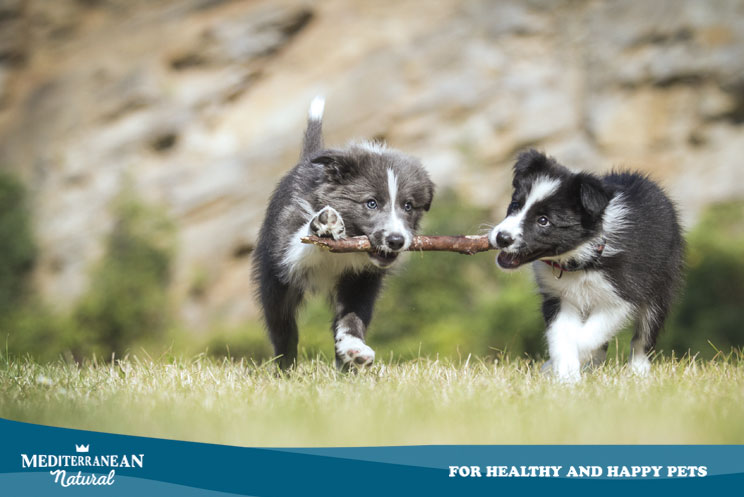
(395,241)
(503,240)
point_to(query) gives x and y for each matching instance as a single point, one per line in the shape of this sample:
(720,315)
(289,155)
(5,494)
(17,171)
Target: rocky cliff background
(199,105)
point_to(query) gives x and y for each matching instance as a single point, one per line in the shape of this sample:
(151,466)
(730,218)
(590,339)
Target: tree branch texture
(465,244)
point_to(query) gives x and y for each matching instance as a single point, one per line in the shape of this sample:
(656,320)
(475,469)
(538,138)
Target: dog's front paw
(352,351)
(640,365)
(565,371)
(327,222)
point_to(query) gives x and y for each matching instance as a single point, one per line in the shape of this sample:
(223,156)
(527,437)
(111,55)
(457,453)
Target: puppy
(604,250)
(362,189)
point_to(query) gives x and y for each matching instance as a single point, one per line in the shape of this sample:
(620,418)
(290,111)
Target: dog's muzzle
(503,240)
(387,247)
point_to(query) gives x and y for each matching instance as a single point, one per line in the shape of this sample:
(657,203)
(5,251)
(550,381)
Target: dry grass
(418,402)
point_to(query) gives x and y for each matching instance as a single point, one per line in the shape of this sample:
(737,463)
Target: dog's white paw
(640,365)
(569,377)
(351,350)
(565,371)
(328,222)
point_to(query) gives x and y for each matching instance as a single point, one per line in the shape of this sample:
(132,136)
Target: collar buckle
(553,268)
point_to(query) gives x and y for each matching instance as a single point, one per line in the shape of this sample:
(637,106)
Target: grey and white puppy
(362,189)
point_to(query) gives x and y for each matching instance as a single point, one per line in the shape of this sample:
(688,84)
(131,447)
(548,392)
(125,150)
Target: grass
(416,402)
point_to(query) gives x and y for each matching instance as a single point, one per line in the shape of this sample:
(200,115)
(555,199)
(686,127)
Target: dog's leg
(599,327)
(355,299)
(280,303)
(572,342)
(647,329)
(550,307)
(562,337)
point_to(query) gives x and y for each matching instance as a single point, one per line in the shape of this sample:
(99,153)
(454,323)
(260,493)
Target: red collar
(572,267)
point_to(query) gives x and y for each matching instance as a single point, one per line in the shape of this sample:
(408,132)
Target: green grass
(423,401)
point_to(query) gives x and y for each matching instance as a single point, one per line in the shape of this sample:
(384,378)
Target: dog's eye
(543,221)
(371,204)
(408,206)
(512,207)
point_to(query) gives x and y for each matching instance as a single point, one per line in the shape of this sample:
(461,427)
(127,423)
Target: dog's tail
(313,142)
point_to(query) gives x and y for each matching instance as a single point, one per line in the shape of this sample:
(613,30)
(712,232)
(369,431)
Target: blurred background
(141,139)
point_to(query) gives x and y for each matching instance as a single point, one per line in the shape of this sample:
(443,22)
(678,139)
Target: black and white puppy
(362,189)
(605,251)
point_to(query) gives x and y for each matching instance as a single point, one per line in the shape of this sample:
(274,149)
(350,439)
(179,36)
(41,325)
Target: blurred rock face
(201,103)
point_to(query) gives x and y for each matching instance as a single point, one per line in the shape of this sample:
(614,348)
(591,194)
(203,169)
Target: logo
(73,469)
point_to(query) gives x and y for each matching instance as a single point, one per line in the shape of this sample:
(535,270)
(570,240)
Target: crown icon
(82,448)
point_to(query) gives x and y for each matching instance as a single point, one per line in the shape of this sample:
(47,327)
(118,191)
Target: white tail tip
(316,108)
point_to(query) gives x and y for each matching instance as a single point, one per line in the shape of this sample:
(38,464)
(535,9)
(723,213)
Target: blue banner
(44,460)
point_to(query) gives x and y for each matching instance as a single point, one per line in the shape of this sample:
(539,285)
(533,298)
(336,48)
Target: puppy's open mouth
(382,259)
(509,260)
(512,260)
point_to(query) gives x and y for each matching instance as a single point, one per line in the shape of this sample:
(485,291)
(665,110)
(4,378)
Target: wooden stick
(468,244)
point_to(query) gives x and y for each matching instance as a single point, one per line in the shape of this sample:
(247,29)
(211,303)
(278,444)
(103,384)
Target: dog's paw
(640,365)
(327,222)
(563,371)
(352,351)
(569,377)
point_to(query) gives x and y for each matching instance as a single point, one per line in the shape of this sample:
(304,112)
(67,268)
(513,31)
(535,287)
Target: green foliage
(249,340)
(17,246)
(127,299)
(25,325)
(35,329)
(712,305)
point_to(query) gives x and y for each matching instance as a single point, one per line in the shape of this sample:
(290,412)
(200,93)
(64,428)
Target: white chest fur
(585,290)
(315,269)
(319,270)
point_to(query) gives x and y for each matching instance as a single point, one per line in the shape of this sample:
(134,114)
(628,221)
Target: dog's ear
(429,194)
(338,167)
(594,198)
(529,162)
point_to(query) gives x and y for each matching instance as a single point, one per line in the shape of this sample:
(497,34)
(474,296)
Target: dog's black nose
(503,240)
(395,241)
